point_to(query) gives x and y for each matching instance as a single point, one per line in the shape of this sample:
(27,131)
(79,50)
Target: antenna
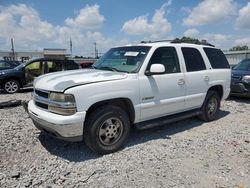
(95,52)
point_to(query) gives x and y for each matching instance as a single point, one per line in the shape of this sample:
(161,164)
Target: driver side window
(166,56)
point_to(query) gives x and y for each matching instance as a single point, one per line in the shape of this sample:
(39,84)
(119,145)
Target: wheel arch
(11,78)
(123,103)
(218,89)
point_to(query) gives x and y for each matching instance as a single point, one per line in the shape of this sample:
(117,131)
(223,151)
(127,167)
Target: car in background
(240,82)
(4,64)
(11,80)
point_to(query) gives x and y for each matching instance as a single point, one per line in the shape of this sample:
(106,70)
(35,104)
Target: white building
(25,56)
(234,57)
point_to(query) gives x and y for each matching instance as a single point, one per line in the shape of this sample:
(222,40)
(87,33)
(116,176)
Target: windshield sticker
(131,54)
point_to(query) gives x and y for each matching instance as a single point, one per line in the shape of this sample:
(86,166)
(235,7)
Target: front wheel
(106,129)
(11,86)
(210,107)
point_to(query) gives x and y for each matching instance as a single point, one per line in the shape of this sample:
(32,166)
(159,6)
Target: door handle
(181,82)
(206,78)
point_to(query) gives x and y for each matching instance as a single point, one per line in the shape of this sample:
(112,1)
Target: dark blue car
(240,85)
(11,80)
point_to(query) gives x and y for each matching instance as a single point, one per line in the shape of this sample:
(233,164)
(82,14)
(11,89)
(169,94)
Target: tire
(106,129)
(11,86)
(210,107)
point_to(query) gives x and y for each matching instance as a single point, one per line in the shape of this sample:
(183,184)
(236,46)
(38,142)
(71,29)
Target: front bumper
(240,89)
(68,128)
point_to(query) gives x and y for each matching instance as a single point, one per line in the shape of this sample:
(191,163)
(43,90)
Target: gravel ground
(189,153)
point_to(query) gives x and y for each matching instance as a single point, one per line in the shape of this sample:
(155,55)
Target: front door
(163,94)
(32,71)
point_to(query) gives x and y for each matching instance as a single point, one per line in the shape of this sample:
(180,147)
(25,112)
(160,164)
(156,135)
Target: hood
(240,73)
(60,81)
(6,71)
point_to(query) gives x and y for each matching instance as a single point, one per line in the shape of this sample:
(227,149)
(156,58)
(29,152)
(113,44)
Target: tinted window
(70,65)
(217,58)
(166,56)
(193,59)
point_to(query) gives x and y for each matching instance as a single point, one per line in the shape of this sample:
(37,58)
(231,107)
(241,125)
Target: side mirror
(155,69)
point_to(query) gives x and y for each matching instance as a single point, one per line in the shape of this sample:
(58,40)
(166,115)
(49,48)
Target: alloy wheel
(111,131)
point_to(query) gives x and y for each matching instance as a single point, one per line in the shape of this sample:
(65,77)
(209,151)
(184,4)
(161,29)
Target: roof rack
(177,40)
(194,41)
(155,41)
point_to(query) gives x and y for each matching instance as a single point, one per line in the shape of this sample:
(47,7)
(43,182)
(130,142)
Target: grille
(42,93)
(41,105)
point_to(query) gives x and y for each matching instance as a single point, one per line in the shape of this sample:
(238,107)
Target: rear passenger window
(166,56)
(193,59)
(217,58)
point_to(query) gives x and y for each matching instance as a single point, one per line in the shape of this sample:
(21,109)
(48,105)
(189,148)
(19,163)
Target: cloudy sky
(39,24)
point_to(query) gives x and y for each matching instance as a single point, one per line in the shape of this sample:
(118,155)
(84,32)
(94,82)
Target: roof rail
(177,40)
(156,41)
(194,41)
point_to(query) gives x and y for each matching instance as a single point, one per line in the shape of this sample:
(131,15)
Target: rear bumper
(68,128)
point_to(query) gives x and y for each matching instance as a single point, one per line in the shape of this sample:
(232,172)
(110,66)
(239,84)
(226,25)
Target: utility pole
(95,52)
(70,44)
(12,49)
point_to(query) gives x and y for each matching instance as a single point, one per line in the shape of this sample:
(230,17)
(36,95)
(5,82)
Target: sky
(38,24)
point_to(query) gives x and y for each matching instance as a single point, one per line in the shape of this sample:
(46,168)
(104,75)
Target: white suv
(142,85)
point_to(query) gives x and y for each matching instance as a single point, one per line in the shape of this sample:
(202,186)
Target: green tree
(238,48)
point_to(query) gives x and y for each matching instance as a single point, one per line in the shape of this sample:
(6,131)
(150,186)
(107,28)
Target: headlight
(246,79)
(61,103)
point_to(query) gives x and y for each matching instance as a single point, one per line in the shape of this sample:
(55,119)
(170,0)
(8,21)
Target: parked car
(240,85)
(145,85)
(11,80)
(8,64)
(86,63)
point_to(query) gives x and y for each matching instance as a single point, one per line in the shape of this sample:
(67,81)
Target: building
(25,56)
(234,57)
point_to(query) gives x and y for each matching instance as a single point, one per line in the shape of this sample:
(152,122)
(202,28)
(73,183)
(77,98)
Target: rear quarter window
(217,58)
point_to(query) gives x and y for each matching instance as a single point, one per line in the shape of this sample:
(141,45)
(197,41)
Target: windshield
(20,66)
(123,59)
(243,65)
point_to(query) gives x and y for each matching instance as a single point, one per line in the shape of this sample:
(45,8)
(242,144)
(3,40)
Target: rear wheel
(11,86)
(210,107)
(106,129)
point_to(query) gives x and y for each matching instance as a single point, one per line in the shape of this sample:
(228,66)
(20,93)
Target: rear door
(162,94)
(196,77)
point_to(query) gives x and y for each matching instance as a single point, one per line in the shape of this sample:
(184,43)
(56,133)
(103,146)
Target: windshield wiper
(108,68)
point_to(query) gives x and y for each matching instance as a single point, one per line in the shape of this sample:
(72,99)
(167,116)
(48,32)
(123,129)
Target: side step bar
(167,119)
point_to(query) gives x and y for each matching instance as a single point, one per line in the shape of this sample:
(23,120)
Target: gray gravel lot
(188,153)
